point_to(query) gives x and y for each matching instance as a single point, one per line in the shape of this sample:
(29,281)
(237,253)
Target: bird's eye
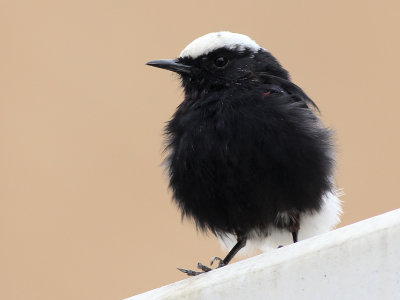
(220,61)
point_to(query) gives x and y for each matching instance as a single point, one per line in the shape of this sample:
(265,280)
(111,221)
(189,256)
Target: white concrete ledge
(359,261)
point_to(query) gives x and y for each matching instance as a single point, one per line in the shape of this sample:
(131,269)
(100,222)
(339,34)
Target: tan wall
(84,207)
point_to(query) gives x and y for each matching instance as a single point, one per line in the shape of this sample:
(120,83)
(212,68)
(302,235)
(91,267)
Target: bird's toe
(190,272)
(203,267)
(220,261)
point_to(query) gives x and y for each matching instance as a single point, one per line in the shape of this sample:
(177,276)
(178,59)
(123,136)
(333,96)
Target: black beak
(170,64)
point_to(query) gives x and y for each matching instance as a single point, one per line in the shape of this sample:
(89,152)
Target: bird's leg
(241,242)
(294,226)
(294,235)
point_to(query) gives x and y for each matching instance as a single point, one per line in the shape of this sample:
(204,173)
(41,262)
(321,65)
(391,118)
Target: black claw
(203,267)
(220,262)
(190,272)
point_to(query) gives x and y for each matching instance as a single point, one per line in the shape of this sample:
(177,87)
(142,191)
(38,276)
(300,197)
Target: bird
(248,157)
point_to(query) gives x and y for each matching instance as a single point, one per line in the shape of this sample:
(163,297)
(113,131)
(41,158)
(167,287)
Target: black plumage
(246,146)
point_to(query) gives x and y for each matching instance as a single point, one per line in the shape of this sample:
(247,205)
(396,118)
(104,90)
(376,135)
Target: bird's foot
(203,268)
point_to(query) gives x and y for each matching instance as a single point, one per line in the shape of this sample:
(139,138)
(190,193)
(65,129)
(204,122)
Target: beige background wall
(84,207)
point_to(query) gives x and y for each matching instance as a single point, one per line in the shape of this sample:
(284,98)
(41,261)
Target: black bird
(248,158)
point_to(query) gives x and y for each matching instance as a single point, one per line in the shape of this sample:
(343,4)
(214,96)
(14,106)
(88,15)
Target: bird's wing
(282,86)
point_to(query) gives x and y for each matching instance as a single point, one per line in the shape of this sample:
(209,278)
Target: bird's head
(221,59)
